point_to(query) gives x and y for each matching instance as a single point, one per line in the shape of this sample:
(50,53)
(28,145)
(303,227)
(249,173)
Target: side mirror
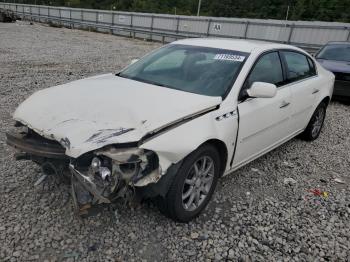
(134,61)
(262,90)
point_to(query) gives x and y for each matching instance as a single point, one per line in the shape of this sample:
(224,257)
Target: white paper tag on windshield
(228,57)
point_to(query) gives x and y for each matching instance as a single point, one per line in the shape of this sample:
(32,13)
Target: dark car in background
(335,57)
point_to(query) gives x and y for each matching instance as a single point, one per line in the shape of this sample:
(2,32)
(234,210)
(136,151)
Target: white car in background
(171,124)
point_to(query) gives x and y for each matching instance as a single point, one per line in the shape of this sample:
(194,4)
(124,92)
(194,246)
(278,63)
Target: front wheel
(193,185)
(315,125)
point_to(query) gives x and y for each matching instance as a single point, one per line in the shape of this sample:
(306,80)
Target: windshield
(337,52)
(200,70)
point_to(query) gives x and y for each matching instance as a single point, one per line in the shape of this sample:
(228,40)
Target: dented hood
(88,114)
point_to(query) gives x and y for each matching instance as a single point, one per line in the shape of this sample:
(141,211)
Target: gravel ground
(264,211)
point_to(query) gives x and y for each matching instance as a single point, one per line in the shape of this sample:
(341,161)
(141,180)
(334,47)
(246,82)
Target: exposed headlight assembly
(95,164)
(112,174)
(99,166)
(129,165)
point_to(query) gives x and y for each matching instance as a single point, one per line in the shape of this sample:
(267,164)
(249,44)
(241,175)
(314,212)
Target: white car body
(89,114)
(111,103)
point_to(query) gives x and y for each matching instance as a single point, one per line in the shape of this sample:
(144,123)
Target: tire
(173,205)
(315,125)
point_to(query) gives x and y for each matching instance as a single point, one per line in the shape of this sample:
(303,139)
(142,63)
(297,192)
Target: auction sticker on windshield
(228,57)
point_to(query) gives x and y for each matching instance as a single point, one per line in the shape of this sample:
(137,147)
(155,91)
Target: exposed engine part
(81,198)
(89,185)
(129,165)
(127,171)
(105,173)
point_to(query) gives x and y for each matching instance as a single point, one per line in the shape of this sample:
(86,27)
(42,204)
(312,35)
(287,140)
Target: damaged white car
(171,124)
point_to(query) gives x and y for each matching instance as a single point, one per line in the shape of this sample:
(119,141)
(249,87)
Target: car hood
(335,66)
(88,114)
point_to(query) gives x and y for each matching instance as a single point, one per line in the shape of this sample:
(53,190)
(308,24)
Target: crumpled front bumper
(36,146)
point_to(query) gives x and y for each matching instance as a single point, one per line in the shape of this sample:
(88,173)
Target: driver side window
(268,69)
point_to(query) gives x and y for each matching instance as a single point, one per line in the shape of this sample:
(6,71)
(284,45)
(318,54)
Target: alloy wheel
(317,125)
(198,183)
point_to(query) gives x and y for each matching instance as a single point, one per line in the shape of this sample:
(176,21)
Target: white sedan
(168,126)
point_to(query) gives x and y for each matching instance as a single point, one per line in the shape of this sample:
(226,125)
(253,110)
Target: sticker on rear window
(228,57)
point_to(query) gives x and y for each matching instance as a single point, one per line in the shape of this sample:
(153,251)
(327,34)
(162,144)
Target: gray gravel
(263,212)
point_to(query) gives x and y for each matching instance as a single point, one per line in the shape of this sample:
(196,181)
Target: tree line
(320,10)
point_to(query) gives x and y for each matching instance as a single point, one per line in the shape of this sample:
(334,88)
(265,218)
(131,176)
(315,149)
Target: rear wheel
(315,125)
(193,185)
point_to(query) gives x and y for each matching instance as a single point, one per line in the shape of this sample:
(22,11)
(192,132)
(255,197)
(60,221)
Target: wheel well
(222,150)
(327,99)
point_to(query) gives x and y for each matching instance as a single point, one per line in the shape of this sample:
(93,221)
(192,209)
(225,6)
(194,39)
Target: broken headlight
(105,173)
(112,173)
(95,164)
(102,167)
(129,165)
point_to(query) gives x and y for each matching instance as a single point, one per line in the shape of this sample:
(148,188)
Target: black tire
(311,132)
(172,205)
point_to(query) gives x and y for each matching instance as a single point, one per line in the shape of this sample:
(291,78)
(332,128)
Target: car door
(304,86)
(263,122)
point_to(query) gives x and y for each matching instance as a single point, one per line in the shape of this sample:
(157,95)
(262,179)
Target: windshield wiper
(120,75)
(150,82)
(143,80)
(146,81)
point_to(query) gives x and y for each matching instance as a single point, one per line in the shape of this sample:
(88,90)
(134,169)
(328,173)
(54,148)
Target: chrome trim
(299,81)
(226,115)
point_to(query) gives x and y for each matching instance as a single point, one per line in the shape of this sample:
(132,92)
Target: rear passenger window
(268,69)
(298,66)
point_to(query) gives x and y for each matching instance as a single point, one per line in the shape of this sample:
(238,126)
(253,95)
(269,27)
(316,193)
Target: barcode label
(228,57)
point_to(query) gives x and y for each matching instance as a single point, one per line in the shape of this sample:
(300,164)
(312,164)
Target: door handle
(284,104)
(315,91)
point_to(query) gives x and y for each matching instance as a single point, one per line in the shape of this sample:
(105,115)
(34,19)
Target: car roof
(242,45)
